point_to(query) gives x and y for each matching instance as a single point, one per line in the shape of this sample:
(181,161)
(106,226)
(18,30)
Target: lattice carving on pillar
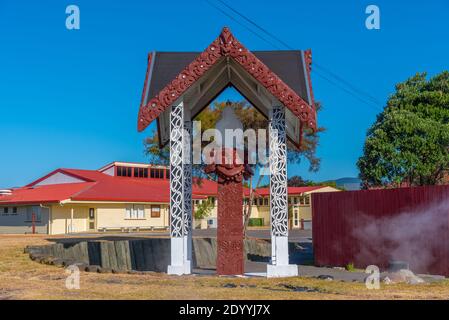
(278,173)
(187,177)
(176,171)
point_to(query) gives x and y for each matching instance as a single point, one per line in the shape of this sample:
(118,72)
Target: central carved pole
(230,253)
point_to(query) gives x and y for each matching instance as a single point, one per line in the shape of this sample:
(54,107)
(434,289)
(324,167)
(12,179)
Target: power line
(370,104)
(353,90)
(255,24)
(347,83)
(241,24)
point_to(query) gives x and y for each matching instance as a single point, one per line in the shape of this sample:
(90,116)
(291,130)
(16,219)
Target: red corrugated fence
(372,227)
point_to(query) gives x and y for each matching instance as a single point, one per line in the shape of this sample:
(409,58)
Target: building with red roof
(119,196)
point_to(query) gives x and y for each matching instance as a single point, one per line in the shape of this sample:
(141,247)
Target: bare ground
(21,278)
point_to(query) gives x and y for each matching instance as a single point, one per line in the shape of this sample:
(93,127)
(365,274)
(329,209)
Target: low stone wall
(135,255)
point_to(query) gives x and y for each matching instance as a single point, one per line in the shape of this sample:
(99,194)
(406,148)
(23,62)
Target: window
(260,201)
(307,200)
(37,213)
(254,202)
(301,200)
(124,172)
(155,211)
(295,200)
(212,200)
(265,201)
(5,210)
(135,212)
(141,172)
(157,173)
(167,174)
(14,210)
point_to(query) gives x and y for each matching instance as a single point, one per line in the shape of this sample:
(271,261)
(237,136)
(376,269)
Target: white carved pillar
(176,190)
(279,266)
(187,185)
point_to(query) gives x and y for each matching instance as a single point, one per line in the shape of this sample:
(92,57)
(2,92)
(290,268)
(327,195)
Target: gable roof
(287,64)
(225,46)
(45,194)
(98,186)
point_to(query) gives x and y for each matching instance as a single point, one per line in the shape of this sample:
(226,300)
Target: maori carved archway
(182,97)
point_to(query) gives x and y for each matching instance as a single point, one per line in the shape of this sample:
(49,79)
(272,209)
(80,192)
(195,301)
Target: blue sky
(70,98)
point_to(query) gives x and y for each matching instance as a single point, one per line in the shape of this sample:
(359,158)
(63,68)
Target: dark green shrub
(256,222)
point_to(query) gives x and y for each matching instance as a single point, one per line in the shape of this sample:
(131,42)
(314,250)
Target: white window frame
(135,212)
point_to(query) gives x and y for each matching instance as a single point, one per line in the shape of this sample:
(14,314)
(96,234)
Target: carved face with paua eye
(229,171)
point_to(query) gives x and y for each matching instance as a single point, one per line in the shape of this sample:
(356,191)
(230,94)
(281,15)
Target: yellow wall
(61,219)
(107,216)
(304,212)
(114,216)
(256,212)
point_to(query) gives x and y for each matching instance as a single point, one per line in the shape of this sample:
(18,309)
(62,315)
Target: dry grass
(21,278)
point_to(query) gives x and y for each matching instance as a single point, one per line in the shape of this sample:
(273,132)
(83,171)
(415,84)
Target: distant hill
(348,183)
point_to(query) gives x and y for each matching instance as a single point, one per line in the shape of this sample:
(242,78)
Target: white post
(176,190)
(279,266)
(187,190)
(71,220)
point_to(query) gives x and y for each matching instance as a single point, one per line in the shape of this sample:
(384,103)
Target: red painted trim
(226,45)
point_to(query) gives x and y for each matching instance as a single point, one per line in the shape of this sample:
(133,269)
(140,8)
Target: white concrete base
(187,267)
(176,270)
(276,271)
(179,265)
(256,274)
(180,270)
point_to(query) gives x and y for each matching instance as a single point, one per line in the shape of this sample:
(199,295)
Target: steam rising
(418,237)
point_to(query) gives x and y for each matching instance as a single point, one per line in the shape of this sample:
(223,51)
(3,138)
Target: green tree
(298,181)
(203,209)
(409,142)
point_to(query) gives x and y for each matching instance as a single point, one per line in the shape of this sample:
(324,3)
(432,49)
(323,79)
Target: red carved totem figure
(230,259)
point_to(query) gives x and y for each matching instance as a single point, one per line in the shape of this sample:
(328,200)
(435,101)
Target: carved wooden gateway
(178,86)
